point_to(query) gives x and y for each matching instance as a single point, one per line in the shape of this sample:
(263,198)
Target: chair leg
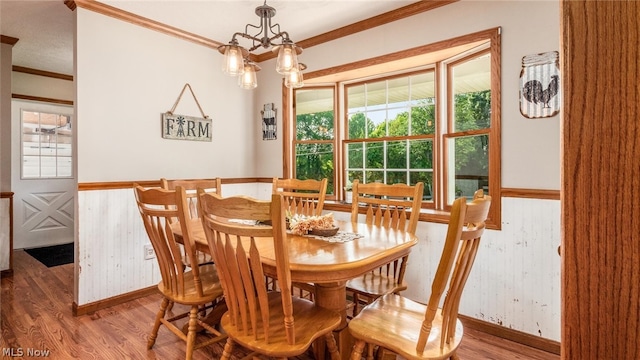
(228,348)
(191,333)
(355,304)
(156,325)
(384,354)
(332,346)
(370,348)
(454,356)
(356,353)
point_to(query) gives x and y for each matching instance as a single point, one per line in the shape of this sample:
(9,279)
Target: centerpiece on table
(314,225)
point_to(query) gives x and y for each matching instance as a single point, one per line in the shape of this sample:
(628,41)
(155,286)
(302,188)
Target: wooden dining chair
(397,207)
(191,187)
(270,323)
(194,286)
(416,331)
(301,197)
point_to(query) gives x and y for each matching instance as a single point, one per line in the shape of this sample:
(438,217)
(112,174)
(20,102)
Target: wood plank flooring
(36,316)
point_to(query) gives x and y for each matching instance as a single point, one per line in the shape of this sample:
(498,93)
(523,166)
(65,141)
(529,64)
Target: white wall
(126,77)
(42,86)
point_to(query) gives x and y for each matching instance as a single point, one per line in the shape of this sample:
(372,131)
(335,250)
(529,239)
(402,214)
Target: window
(436,120)
(314,142)
(46,145)
(391,127)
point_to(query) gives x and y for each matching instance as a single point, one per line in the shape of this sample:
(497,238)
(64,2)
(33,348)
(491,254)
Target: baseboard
(112,301)
(6,273)
(510,334)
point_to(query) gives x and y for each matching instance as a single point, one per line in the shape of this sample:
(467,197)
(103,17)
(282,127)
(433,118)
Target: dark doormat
(53,255)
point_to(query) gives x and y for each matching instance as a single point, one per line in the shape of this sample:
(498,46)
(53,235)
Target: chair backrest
(191,187)
(395,206)
(236,251)
(466,226)
(302,197)
(160,210)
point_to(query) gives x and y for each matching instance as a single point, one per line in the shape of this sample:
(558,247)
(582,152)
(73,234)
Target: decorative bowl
(324,232)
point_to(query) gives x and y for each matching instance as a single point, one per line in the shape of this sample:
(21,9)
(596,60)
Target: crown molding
(50,74)
(385,18)
(116,13)
(370,23)
(8,40)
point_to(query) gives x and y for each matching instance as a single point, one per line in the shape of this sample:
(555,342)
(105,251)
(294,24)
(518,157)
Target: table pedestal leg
(333,296)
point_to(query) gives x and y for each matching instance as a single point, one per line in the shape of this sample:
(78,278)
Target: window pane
(397,155)
(353,175)
(422,88)
(314,114)
(472,94)
(379,120)
(355,155)
(427,178)
(315,161)
(396,177)
(376,94)
(399,121)
(374,176)
(421,154)
(374,153)
(64,166)
(471,170)
(48,166)
(359,126)
(355,95)
(31,166)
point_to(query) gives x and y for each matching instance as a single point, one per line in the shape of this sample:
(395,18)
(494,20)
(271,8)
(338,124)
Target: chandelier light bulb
(248,79)
(233,61)
(287,59)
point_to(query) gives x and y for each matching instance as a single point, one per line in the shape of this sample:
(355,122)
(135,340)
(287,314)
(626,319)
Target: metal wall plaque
(540,85)
(182,127)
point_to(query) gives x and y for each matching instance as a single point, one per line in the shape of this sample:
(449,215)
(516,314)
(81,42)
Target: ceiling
(44,29)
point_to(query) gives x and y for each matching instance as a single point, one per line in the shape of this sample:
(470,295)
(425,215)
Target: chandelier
(236,58)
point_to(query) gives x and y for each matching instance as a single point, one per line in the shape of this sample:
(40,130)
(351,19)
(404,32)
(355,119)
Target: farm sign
(182,127)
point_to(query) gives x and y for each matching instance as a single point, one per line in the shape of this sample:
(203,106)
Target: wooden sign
(182,127)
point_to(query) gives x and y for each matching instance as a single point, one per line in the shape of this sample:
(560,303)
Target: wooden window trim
(434,215)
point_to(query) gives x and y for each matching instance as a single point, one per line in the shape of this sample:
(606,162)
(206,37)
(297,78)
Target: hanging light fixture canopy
(236,58)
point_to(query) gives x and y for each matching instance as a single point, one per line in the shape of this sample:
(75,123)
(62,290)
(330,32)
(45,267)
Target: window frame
(444,99)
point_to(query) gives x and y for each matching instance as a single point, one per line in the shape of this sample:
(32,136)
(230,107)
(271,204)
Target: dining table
(328,263)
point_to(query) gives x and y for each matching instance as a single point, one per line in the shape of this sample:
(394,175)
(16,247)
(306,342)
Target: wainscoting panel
(112,238)
(5,233)
(111,246)
(515,281)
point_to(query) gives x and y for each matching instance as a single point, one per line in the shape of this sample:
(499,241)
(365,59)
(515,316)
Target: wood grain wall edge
(530,193)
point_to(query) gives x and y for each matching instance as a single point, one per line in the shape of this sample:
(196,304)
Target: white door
(43,172)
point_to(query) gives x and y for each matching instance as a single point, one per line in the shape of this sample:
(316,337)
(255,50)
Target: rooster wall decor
(540,85)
